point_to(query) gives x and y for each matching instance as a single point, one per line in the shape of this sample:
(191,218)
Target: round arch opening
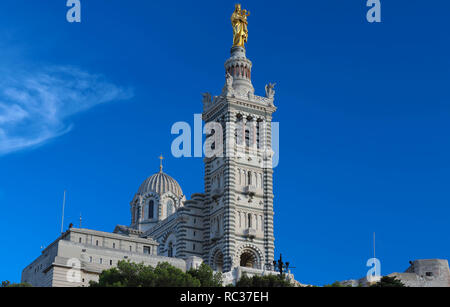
(248,259)
(218,261)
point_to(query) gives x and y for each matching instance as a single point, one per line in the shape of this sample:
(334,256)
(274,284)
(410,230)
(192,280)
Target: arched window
(169,208)
(218,261)
(137,213)
(248,259)
(151,206)
(170,250)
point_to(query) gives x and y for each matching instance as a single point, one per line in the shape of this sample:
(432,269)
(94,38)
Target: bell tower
(239,176)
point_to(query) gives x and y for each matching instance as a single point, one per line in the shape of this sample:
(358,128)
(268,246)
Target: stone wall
(421,273)
(69,263)
(426,273)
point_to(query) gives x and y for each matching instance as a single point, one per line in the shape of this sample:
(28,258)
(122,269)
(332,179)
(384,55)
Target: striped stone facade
(231,224)
(242,196)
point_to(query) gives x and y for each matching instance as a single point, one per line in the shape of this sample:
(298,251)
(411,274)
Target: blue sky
(363,110)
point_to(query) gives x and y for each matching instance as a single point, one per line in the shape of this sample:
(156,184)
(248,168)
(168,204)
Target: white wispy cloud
(36,107)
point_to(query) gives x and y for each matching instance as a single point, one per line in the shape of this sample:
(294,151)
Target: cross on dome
(161,158)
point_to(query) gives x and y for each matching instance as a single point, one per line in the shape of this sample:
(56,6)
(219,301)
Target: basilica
(229,225)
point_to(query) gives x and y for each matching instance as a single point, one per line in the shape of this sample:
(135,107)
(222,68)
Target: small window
(194,233)
(96,242)
(79,240)
(429,274)
(131,248)
(147,250)
(170,250)
(151,208)
(110,262)
(90,259)
(247,137)
(193,247)
(101,261)
(114,245)
(258,134)
(170,207)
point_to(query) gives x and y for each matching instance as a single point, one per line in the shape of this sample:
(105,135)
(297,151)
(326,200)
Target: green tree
(8,284)
(169,276)
(206,276)
(128,274)
(336,284)
(267,281)
(20,285)
(387,281)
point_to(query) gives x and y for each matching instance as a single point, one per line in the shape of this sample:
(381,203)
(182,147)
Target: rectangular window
(110,262)
(90,259)
(151,209)
(114,245)
(247,137)
(96,242)
(193,246)
(258,128)
(101,261)
(147,250)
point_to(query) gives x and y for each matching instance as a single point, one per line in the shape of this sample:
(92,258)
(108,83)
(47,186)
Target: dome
(160,183)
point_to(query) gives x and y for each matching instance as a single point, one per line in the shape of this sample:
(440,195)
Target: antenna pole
(62,220)
(374,245)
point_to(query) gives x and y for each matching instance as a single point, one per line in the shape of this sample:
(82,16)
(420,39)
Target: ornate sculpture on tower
(240,26)
(228,89)
(270,92)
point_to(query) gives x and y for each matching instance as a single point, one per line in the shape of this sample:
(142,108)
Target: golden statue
(240,26)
